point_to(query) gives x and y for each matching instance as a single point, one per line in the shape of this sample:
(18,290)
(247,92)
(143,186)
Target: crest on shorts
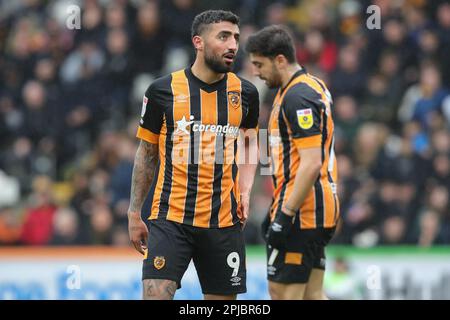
(159,262)
(305,118)
(234,98)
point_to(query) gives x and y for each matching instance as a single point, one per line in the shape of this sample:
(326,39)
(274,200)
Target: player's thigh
(219,258)
(286,291)
(169,252)
(314,288)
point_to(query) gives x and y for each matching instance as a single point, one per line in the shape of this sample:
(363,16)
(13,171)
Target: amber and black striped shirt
(196,126)
(301,118)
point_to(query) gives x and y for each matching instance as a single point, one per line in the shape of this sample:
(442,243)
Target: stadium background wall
(111,273)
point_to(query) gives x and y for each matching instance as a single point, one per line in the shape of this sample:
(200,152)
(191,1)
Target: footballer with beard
(187,163)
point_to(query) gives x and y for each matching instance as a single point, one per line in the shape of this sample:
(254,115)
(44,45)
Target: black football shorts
(218,255)
(305,251)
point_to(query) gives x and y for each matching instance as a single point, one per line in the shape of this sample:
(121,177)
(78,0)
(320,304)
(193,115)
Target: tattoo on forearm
(143,173)
(156,289)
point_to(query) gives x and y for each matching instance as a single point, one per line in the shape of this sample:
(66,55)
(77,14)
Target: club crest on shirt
(305,118)
(234,98)
(159,262)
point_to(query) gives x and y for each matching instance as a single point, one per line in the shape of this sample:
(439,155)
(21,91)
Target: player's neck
(286,76)
(202,72)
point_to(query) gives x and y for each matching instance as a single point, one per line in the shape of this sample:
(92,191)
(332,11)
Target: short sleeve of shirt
(152,115)
(301,108)
(251,96)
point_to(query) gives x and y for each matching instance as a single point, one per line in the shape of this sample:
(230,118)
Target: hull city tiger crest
(159,262)
(305,118)
(234,99)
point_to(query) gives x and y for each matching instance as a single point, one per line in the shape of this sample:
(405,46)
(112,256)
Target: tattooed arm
(143,172)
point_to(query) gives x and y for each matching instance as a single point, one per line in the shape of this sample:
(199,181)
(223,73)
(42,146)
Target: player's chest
(216,112)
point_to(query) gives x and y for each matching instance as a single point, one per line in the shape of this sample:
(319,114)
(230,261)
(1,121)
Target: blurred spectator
(9,190)
(348,78)
(438,199)
(350,18)
(177,15)
(92,23)
(149,41)
(441,169)
(116,16)
(393,231)
(118,68)
(82,63)
(423,100)
(429,227)
(10,226)
(38,222)
(65,228)
(45,72)
(359,216)
(120,237)
(120,183)
(347,118)
(18,162)
(378,104)
(38,112)
(339,284)
(389,67)
(348,183)
(415,21)
(11,119)
(368,141)
(318,51)
(101,225)
(428,45)
(398,163)
(443,17)
(276,13)
(440,141)
(395,39)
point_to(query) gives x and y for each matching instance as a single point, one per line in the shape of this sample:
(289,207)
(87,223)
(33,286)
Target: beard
(274,81)
(216,63)
(273,84)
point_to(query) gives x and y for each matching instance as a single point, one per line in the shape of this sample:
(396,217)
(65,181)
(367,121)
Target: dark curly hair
(202,20)
(272,41)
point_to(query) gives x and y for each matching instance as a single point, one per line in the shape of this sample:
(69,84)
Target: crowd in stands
(70,103)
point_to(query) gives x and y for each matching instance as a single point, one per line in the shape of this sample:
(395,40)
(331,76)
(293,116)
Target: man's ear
(280,61)
(197,41)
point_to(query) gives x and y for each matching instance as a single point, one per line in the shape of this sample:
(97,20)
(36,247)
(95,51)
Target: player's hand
(279,229)
(137,231)
(243,209)
(265,226)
